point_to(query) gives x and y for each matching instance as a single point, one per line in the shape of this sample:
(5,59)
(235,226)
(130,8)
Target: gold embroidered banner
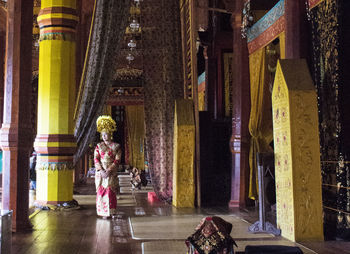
(136,135)
(184,143)
(297,152)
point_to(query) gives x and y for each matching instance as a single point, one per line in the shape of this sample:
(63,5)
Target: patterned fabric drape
(136,133)
(163,83)
(282,38)
(262,66)
(260,122)
(228,72)
(110,17)
(327,52)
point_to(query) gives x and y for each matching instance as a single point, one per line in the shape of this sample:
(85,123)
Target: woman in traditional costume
(107,157)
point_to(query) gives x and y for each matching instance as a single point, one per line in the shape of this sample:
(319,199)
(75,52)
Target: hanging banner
(267,28)
(314,3)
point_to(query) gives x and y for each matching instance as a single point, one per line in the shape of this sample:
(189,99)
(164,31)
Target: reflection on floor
(81,231)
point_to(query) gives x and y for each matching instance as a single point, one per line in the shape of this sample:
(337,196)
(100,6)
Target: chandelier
(127,74)
(133,30)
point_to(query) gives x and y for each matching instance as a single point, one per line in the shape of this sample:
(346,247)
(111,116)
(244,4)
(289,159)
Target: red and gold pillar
(239,142)
(16,133)
(55,143)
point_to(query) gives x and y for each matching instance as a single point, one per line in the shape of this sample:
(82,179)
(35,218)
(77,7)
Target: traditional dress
(106,156)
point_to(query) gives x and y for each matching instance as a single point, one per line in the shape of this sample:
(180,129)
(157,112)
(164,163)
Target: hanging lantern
(134,25)
(130,58)
(132,44)
(137,2)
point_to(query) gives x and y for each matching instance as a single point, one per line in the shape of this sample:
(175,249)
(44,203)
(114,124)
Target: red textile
(111,196)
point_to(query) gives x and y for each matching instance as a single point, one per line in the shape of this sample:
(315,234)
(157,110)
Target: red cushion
(152,197)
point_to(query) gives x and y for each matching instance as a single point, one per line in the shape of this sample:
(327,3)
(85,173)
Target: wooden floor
(81,231)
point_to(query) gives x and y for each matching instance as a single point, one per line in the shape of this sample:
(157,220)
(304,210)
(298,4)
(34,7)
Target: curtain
(228,71)
(106,35)
(282,38)
(107,110)
(260,122)
(136,133)
(329,26)
(162,84)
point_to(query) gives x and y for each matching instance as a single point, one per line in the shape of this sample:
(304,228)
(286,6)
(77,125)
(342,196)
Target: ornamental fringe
(57,36)
(55,166)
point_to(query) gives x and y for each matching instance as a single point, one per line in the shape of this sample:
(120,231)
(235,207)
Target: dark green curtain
(110,17)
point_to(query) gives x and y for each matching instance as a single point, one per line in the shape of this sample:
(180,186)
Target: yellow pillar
(184,148)
(297,152)
(55,143)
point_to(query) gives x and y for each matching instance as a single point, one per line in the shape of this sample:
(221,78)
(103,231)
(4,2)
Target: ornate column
(3,16)
(2,71)
(55,142)
(210,78)
(239,142)
(16,133)
(296,29)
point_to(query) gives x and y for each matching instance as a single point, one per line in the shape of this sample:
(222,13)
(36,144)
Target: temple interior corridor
(156,228)
(231,108)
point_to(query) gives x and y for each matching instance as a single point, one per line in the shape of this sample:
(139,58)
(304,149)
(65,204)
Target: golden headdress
(106,124)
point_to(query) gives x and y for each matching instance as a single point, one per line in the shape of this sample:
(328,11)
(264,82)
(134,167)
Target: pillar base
(22,226)
(234,204)
(54,186)
(56,204)
(44,202)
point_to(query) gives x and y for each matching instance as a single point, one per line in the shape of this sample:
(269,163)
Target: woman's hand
(104,174)
(111,169)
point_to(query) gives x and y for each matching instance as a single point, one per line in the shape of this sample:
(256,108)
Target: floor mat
(176,247)
(85,199)
(131,190)
(180,227)
(123,200)
(161,247)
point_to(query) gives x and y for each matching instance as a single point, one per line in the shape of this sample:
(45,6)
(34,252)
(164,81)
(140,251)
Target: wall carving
(125,96)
